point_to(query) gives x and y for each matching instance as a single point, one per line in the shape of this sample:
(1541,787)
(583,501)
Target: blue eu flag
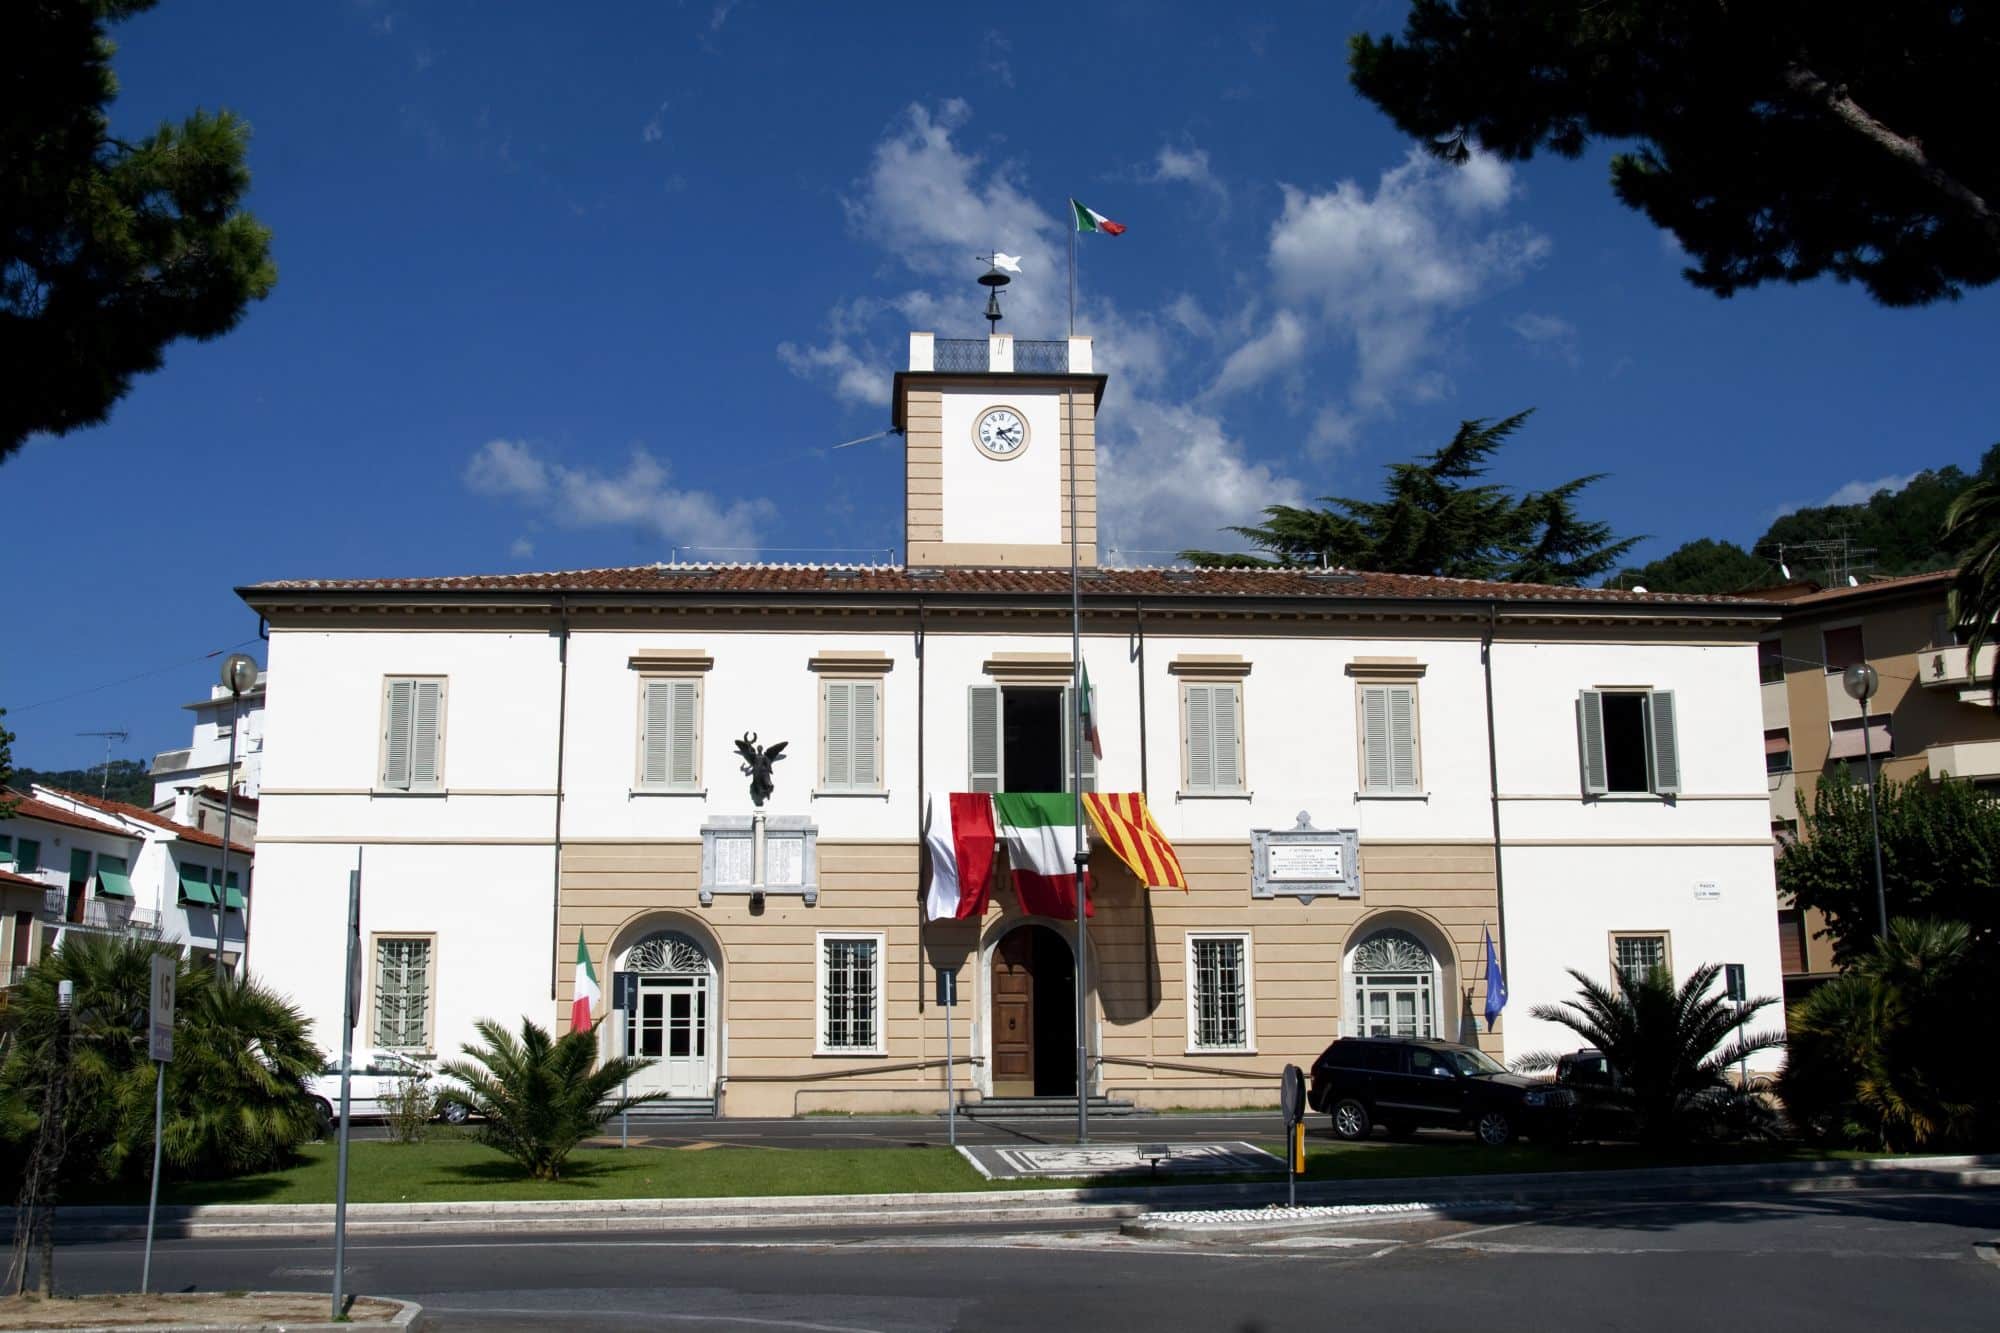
(1496,980)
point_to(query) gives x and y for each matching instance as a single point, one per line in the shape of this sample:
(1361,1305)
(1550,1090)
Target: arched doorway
(1393,986)
(672,1025)
(1034,1014)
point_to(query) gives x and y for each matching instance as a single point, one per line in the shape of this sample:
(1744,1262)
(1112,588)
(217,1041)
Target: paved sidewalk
(1442,1193)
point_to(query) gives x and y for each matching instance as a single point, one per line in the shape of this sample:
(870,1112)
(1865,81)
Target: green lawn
(459,1170)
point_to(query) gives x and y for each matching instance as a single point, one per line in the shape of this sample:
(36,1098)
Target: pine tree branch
(1909,152)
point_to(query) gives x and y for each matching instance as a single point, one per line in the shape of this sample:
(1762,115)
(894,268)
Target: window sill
(409,791)
(1221,1050)
(1392,796)
(1630,798)
(1214,795)
(699,792)
(848,1052)
(834,794)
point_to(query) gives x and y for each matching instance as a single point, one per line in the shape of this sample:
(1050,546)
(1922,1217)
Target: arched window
(1394,986)
(668,952)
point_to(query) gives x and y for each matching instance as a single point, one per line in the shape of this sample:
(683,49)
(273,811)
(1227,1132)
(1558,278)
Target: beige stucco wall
(616,892)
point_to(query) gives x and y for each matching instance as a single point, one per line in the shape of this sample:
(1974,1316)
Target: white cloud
(639,496)
(1172,472)
(1548,335)
(1860,492)
(521,548)
(720,15)
(1278,349)
(655,128)
(1381,270)
(1188,166)
(994,48)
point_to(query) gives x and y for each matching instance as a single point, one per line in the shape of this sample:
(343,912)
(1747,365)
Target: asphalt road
(1832,1262)
(910,1131)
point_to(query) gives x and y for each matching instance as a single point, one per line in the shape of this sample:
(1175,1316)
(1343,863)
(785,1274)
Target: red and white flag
(961,859)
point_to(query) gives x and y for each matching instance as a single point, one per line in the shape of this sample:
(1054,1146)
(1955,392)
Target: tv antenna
(119,734)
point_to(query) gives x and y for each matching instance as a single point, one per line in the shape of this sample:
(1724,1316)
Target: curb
(406,1316)
(1989,1250)
(1052,1205)
(1275,1222)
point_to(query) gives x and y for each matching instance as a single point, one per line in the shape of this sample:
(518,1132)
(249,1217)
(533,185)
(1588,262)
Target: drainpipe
(923,798)
(1139,609)
(562,729)
(1493,780)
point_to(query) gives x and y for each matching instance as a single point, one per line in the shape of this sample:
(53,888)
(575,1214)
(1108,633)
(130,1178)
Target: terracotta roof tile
(27,807)
(886,580)
(145,816)
(1937,578)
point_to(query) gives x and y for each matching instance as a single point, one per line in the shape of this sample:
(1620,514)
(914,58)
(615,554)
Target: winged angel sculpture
(757,761)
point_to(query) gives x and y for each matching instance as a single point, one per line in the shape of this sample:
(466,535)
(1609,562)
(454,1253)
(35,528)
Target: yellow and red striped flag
(1127,828)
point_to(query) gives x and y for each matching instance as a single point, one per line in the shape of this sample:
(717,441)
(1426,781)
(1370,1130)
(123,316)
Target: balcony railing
(15,973)
(1952,668)
(112,915)
(961,355)
(1041,357)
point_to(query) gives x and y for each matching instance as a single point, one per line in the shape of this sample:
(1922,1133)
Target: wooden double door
(1034,1014)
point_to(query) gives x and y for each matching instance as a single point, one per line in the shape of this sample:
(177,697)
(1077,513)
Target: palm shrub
(1674,1048)
(1878,1057)
(235,1097)
(540,1095)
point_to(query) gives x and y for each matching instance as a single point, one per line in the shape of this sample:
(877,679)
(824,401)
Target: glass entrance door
(670,1030)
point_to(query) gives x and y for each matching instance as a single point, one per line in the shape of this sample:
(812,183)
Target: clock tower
(991,427)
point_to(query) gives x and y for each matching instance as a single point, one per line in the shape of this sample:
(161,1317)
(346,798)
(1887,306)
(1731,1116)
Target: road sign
(160,1031)
(625,991)
(1733,980)
(947,987)
(1293,1098)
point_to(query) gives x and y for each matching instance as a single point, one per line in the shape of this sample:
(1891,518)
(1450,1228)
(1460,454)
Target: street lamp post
(239,675)
(1860,682)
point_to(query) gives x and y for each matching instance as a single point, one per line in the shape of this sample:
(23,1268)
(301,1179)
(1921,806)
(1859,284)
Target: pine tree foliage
(1779,141)
(1438,517)
(109,250)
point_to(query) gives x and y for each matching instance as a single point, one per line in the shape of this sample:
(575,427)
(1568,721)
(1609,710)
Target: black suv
(1406,1082)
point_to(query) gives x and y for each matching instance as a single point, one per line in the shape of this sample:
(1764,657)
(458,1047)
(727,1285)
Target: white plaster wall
(1564,903)
(1018,499)
(489,907)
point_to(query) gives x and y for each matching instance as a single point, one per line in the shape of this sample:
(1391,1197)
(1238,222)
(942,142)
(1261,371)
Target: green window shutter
(655,741)
(79,865)
(1402,738)
(231,894)
(426,732)
(1199,730)
(867,735)
(396,709)
(113,879)
(194,884)
(1590,742)
(982,745)
(28,856)
(1666,753)
(684,746)
(1375,738)
(837,749)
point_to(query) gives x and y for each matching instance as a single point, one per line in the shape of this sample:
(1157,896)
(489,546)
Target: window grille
(402,993)
(847,1000)
(1221,999)
(1640,954)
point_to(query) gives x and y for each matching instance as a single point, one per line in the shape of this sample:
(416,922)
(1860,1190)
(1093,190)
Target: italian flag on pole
(1040,831)
(1089,219)
(587,993)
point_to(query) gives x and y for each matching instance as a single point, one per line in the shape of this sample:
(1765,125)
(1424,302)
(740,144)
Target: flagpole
(1077,707)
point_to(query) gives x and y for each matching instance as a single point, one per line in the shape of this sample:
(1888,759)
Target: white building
(205,761)
(70,862)
(517,760)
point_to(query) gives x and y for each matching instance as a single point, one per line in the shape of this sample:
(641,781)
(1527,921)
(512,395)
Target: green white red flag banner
(1089,219)
(1040,831)
(587,994)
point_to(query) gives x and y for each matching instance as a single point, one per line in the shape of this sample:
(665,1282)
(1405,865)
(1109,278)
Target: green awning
(112,879)
(233,896)
(194,884)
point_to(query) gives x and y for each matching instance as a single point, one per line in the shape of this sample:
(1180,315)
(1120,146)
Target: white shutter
(867,695)
(396,734)
(1590,742)
(1199,730)
(686,737)
(1402,737)
(656,734)
(1375,738)
(838,762)
(1228,738)
(426,731)
(1666,743)
(982,741)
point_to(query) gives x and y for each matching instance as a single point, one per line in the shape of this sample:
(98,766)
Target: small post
(160,1047)
(947,988)
(625,1114)
(346,1079)
(1292,1101)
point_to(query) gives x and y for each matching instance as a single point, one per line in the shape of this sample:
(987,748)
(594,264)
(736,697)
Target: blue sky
(557,293)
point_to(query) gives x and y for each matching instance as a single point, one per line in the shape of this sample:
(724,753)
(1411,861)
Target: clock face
(1000,432)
